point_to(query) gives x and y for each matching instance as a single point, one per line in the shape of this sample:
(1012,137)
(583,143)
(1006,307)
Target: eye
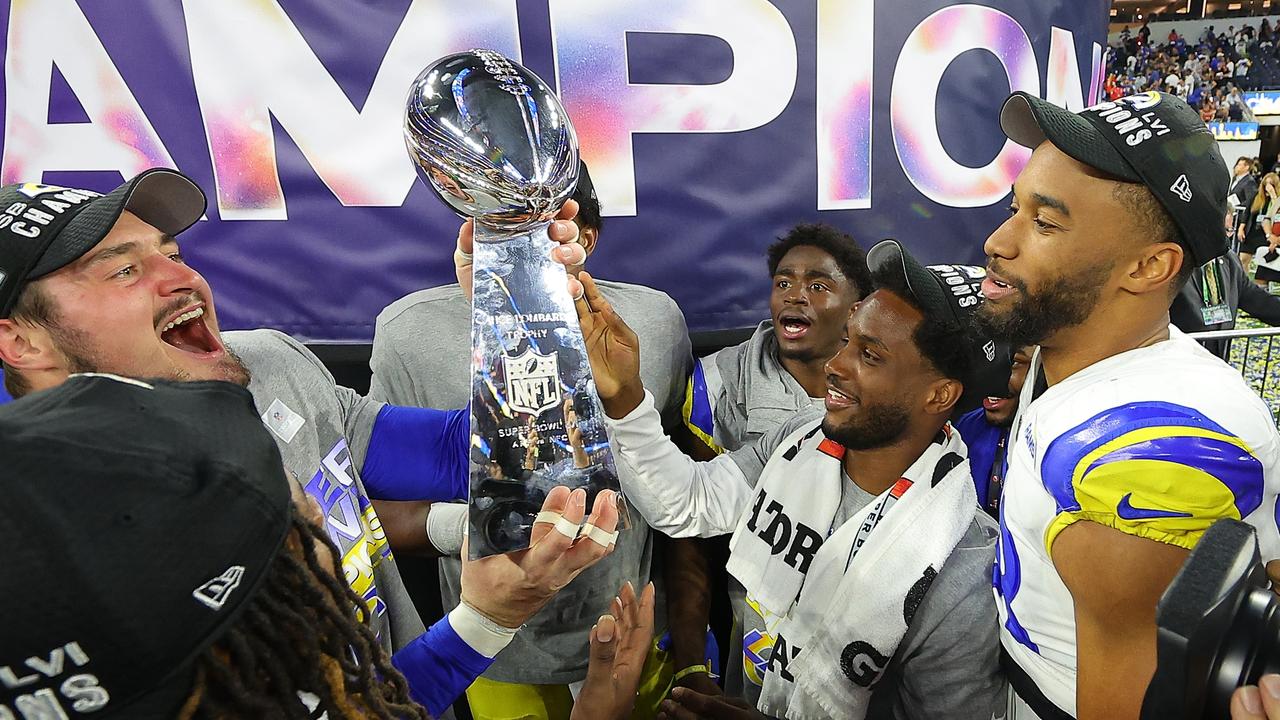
(125,272)
(178,258)
(1041,224)
(1013,210)
(818,287)
(783,284)
(869,357)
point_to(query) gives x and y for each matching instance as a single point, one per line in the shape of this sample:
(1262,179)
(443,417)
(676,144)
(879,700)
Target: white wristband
(482,634)
(446,526)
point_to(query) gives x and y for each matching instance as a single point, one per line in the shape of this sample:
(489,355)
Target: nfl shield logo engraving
(532,381)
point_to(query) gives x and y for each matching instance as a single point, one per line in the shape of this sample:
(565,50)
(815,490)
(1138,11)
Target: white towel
(842,618)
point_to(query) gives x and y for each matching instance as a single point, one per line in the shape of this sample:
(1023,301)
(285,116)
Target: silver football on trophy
(492,140)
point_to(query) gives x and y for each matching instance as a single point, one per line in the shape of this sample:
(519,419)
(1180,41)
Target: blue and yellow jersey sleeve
(1155,470)
(698,411)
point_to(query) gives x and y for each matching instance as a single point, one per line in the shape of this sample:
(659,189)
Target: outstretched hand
(619,645)
(612,347)
(509,589)
(563,231)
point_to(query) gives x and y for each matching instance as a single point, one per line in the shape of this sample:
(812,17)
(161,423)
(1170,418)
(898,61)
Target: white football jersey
(1157,442)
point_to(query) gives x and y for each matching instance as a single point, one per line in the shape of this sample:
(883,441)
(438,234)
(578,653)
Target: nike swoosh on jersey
(1128,512)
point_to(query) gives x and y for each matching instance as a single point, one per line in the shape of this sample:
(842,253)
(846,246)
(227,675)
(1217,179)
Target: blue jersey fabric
(982,438)
(418,454)
(439,666)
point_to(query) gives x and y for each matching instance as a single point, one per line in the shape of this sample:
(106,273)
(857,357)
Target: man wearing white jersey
(1142,439)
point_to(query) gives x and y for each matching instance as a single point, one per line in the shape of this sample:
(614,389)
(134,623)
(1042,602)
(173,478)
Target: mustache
(176,305)
(834,382)
(995,268)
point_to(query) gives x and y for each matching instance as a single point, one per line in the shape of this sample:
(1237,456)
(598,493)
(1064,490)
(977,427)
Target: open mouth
(994,288)
(994,404)
(188,333)
(793,327)
(837,399)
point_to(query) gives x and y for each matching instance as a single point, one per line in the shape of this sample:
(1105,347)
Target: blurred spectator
(1198,69)
(1262,213)
(1243,185)
(1222,285)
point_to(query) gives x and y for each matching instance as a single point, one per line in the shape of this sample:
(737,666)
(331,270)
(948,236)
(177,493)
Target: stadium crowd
(1210,72)
(949,492)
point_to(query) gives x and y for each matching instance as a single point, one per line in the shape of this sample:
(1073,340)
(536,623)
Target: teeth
(793,327)
(184,318)
(836,394)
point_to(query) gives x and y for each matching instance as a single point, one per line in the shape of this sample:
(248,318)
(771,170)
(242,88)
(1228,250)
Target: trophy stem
(536,421)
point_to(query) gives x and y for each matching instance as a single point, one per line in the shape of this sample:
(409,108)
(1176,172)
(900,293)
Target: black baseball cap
(1152,138)
(951,294)
(585,188)
(46,227)
(138,520)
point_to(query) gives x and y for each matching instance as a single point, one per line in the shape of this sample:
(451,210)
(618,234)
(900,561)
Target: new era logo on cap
(1182,188)
(215,592)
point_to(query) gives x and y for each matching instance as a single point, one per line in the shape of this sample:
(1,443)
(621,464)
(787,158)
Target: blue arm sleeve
(417,454)
(439,666)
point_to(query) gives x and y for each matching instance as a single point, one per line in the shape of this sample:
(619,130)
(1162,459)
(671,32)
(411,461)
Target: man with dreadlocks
(179,573)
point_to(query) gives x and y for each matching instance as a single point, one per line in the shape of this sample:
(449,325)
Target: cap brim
(1029,121)
(890,256)
(162,198)
(166,200)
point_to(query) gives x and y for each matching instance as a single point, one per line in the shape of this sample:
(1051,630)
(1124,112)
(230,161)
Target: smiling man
(96,283)
(739,393)
(853,609)
(1142,439)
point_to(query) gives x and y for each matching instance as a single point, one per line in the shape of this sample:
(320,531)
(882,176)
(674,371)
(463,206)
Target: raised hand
(613,348)
(571,428)
(509,589)
(619,645)
(563,231)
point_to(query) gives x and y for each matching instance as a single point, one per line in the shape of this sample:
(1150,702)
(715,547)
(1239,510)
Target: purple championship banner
(708,133)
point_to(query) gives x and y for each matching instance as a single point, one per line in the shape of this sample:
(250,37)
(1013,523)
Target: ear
(943,394)
(27,347)
(587,238)
(1156,267)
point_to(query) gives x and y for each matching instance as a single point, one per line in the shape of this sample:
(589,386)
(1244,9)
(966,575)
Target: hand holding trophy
(495,144)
